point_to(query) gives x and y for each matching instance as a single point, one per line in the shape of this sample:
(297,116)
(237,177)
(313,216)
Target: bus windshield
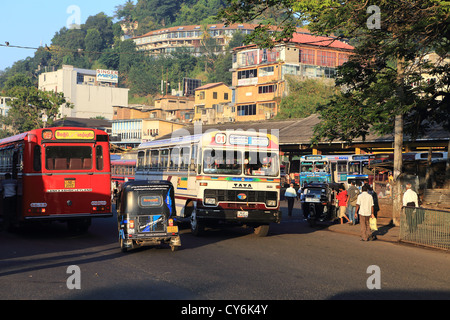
(222,162)
(307,166)
(260,164)
(68,157)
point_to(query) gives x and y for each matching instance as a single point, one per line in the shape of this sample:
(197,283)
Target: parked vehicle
(146,215)
(318,201)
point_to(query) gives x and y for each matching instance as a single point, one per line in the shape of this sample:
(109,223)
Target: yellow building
(259,74)
(211,103)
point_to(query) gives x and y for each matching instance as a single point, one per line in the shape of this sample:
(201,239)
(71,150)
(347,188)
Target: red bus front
(66,176)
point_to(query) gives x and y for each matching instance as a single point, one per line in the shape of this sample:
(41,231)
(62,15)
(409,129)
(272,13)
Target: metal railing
(427,227)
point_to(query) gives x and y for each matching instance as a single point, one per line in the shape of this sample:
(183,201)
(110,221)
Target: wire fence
(427,227)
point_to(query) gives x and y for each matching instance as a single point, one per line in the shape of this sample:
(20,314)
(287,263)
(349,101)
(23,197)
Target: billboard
(107,76)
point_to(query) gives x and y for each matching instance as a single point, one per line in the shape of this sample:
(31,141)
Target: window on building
(306,56)
(326,58)
(214,95)
(245,74)
(267,89)
(247,110)
(225,96)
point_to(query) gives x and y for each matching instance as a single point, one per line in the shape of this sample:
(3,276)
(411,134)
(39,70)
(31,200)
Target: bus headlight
(210,201)
(271,203)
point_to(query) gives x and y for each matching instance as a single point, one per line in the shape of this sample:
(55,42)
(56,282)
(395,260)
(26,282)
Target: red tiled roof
(310,39)
(210,85)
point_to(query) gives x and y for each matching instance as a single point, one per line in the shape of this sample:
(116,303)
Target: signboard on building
(107,76)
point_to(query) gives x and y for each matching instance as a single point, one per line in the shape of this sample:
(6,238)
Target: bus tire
(197,228)
(262,230)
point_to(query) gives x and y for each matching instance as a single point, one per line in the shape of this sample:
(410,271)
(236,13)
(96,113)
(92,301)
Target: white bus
(230,177)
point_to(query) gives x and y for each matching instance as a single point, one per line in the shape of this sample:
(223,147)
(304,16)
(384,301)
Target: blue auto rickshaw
(146,215)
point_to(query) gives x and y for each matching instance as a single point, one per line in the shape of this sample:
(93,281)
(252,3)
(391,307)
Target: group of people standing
(354,205)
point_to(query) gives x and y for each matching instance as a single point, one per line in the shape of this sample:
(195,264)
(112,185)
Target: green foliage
(28,106)
(304,97)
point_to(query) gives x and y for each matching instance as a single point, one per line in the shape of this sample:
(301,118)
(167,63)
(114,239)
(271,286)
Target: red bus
(63,174)
(123,170)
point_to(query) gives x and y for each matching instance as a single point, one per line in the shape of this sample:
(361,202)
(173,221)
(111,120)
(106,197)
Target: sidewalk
(387,232)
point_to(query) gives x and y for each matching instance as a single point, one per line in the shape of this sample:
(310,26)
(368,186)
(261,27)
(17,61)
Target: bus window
(140,158)
(154,159)
(184,158)
(353,167)
(307,166)
(99,157)
(164,159)
(148,159)
(194,162)
(342,166)
(37,158)
(59,157)
(260,164)
(321,166)
(174,158)
(216,162)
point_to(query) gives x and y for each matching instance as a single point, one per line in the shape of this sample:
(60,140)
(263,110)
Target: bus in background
(220,177)
(63,174)
(338,168)
(314,168)
(123,170)
(358,170)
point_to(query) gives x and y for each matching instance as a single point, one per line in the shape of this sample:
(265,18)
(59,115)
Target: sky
(32,23)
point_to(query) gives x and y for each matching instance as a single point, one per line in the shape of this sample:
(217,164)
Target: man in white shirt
(410,198)
(414,217)
(364,207)
(290,196)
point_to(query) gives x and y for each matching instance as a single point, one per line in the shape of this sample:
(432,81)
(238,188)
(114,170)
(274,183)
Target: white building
(90,97)
(4,105)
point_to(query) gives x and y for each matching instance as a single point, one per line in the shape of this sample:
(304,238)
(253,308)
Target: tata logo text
(243,185)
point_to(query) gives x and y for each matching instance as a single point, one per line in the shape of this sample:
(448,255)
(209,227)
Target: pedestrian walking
(342,203)
(364,207)
(352,194)
(410,198)
(9,188)
(290,195)
(414,215)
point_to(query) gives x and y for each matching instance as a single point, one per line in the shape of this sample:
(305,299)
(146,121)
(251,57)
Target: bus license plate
(69,184)
(242,214)
(172,229)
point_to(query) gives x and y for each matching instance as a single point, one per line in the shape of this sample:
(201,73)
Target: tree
(304,97)
(29,105)
(392,39)
(93,43)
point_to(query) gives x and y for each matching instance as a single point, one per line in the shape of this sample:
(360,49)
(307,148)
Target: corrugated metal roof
(300,131)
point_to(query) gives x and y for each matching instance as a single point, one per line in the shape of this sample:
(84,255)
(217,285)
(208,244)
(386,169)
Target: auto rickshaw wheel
(122,246)
(262,230)
(174,248)
(196,227)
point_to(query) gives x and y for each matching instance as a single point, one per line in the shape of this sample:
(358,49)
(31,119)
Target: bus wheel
(196,227)
(262,230)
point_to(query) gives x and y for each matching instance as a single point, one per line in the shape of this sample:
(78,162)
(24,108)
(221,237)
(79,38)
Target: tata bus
(63,174)
(220,177)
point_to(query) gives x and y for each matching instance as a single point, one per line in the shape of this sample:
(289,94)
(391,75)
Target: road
(294,262)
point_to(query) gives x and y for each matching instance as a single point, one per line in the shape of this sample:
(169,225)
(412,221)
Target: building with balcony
(259,81)
(189,38)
